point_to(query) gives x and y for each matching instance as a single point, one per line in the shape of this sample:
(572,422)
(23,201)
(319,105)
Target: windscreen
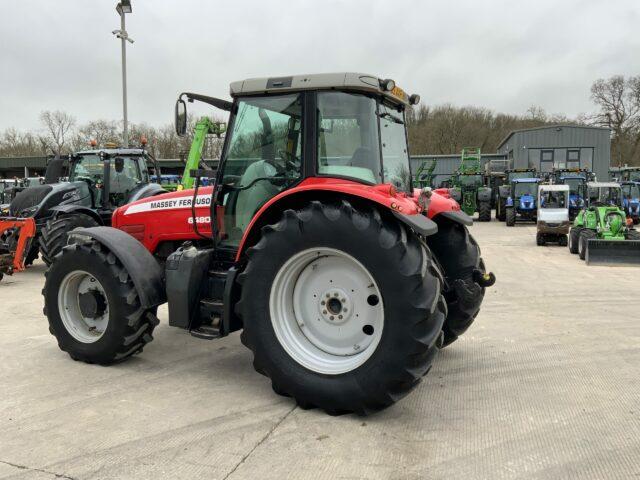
(470,180)
(395,153)
(529,188)
(553,199)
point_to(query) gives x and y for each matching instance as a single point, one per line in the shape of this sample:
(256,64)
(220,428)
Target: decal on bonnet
(169,204)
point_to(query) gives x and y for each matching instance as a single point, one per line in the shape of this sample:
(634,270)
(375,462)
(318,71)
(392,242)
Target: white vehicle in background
(553,222)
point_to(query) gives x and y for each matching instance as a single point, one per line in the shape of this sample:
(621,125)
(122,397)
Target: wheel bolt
(331,317)
(344,310)
(328,295)
(343,300)
(340,317)
(336,295)
(322,302)
(324,312)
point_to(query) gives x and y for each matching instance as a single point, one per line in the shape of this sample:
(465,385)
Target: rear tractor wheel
(54,234)
(93,308)
(484,211)
(343,307)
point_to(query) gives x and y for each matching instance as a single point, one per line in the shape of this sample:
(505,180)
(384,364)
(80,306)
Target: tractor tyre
(458,255)
(510,216)
(540,240)
(342,307)
(574,240)
(484,211)
(501,208)
(583,239)
(632,235)
(54,234)
(93,307)
(562,240)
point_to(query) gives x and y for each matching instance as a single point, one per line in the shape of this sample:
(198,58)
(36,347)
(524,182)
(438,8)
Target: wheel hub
(335,306)
(92,304)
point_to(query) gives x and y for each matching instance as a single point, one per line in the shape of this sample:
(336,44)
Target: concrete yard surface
(545,385)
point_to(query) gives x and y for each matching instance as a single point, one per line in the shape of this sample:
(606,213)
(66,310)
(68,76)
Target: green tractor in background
(469,188)
(601,233)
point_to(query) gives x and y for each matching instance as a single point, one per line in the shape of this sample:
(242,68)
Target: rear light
(136,231)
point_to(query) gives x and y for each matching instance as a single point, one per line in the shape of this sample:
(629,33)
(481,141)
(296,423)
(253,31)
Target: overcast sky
(503,55)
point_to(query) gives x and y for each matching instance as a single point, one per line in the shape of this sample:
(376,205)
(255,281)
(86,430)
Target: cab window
(348,142)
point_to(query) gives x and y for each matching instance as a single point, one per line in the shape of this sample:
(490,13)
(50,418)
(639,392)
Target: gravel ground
(546,384)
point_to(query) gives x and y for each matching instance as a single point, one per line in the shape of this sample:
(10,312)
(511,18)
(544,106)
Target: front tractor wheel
(93,308)
(342,308)
(510,216)
(583,242)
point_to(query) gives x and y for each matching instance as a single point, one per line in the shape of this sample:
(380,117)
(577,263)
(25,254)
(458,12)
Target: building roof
(545,127)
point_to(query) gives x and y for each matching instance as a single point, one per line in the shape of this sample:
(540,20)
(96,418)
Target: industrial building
(559,146)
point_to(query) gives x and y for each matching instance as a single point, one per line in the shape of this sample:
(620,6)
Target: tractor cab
(302,131)
(110,176)
(631,200)
(577,191)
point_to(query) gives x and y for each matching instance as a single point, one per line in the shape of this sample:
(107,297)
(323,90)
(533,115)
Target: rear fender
(69,209)
(404,208)
(142,267)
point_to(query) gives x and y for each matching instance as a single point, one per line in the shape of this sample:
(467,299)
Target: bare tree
(58,127)
(619,102)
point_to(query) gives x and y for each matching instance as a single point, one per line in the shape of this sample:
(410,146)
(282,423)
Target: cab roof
(525,180)
(554,188)
(603,185)
(319,81)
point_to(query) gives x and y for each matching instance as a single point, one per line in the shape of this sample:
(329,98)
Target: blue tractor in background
(631,200)
(577,192)
(521,203)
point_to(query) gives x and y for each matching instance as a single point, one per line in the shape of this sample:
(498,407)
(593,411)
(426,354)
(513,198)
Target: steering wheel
(291,162)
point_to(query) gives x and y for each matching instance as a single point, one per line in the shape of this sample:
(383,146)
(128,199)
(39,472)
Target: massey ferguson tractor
(344,280)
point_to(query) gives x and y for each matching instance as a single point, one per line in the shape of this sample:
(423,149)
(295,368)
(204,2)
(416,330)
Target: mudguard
(143,268)
(71,208)
(148,190)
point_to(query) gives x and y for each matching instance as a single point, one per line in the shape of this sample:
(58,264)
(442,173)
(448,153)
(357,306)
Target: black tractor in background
(100,180)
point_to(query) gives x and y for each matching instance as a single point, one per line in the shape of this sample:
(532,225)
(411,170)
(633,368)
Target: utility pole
(123,8)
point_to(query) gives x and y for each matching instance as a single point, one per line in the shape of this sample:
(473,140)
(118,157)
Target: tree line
(441,129)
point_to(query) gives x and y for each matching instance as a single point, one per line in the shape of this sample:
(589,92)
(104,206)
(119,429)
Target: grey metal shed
(560,146)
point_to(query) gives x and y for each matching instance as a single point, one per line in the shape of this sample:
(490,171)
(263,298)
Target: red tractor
(344,280)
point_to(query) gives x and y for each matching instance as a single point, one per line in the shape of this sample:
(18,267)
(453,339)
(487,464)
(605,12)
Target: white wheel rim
(326,310)
(84,328)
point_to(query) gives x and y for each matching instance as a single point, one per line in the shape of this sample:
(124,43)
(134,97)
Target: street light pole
(123,8)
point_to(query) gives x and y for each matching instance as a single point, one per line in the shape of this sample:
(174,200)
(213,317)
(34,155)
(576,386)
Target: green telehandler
(469,188)
(601,233)
(424,175)
(203,128)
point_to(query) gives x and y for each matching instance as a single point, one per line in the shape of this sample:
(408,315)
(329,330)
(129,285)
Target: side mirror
(119,164)
(181,117)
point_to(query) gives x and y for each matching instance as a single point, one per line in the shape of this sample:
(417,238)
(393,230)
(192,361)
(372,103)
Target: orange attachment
(13,260)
